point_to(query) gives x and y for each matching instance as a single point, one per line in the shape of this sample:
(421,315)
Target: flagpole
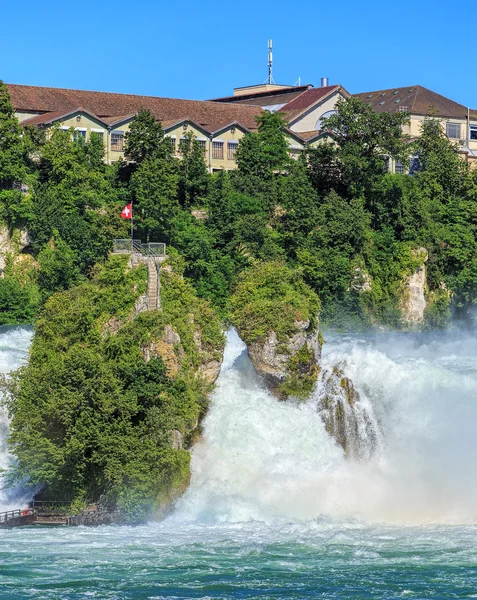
(132,226)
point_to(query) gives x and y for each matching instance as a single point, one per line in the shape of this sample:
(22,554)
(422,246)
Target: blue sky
(204,49)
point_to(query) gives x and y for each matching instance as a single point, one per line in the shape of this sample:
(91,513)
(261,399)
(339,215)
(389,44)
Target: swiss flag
(127,212)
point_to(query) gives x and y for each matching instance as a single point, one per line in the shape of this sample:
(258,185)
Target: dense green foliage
(272,297)
(95,410)
(98,410)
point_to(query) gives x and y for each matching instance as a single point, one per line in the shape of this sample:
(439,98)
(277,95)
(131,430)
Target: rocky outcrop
(345,416)
(361,281)
(169,348)
(289,368)
(11,244)
(414,300)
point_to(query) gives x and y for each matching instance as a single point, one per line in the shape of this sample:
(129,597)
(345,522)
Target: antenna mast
(270,63)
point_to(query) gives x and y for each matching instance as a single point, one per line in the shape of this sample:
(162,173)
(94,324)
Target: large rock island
(276,314)
(112,398)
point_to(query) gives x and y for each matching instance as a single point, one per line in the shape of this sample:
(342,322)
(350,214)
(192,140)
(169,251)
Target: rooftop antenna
(297,82)
(270,63)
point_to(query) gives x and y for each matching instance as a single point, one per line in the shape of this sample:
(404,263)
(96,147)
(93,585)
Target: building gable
(306,115)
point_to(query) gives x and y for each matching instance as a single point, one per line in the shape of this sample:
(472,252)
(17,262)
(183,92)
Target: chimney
(324,81)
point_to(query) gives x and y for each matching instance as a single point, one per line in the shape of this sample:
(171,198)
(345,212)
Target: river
(274,511)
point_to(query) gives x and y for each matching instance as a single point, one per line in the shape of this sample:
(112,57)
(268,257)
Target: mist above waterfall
(14,344)
(262,459)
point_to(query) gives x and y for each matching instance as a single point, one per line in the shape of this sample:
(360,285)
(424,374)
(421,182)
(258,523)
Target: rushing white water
(14,344)
(261,459)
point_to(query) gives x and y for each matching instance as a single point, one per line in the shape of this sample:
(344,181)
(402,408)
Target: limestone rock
(168,348)
(272,359)
(177,440)
(13,244)
(111,326)
(210,370)
(414,303)
(361,280)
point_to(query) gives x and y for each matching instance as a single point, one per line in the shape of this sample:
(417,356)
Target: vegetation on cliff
(272,297)
(110,401)
(276,314)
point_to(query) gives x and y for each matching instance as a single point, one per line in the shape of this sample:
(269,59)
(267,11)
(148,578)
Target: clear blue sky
(204,48)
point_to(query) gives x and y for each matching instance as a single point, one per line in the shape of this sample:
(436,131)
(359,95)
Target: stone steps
(153,286)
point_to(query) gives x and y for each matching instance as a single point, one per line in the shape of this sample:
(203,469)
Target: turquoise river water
(274,511)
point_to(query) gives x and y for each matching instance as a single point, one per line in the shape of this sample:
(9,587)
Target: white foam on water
(14,344)
(266,460)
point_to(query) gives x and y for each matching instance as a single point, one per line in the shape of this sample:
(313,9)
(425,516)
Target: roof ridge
(441,96)
(44,87)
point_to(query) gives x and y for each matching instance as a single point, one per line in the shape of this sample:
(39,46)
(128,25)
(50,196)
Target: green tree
(145,139)
(193,175)
(265,152)
(363,138)
(12,151)
(58,267)
(156,200)
(13,161)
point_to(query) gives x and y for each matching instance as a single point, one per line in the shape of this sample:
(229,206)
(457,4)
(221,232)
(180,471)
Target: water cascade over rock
(261,459)
(345,416)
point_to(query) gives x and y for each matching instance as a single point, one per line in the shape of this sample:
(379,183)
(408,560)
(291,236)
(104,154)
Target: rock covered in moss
(276,314)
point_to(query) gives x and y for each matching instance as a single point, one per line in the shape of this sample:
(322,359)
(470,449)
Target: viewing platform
(57,514)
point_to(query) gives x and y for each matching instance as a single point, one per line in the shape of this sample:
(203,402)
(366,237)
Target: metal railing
(121,246)
(128,246)
(14,514)
(50,506)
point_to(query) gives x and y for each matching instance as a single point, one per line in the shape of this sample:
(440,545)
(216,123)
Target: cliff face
(276,314)
(414,301)
(11,245)
(290,367)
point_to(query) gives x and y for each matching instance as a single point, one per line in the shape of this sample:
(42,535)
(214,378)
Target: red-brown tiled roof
(105,104)
(416,99)
(306,100)
(308,135)
(115,119)
(49,117)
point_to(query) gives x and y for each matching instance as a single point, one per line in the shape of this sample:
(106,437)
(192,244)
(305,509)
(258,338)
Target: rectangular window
(473,132)
(117,142)
(172,142)
(231,150)
(203,146)
(453,130)
(218,150)
(184,144)
(399,167)
(78,134)
(97,133)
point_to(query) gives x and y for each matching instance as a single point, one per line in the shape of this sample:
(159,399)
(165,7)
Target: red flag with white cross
(127,212)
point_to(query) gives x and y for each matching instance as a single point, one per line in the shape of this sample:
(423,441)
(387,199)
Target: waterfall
(262,459)
(14,344)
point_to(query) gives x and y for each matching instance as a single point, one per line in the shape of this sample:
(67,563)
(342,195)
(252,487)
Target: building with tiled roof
(217,127)
(305,106)
(458,121)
